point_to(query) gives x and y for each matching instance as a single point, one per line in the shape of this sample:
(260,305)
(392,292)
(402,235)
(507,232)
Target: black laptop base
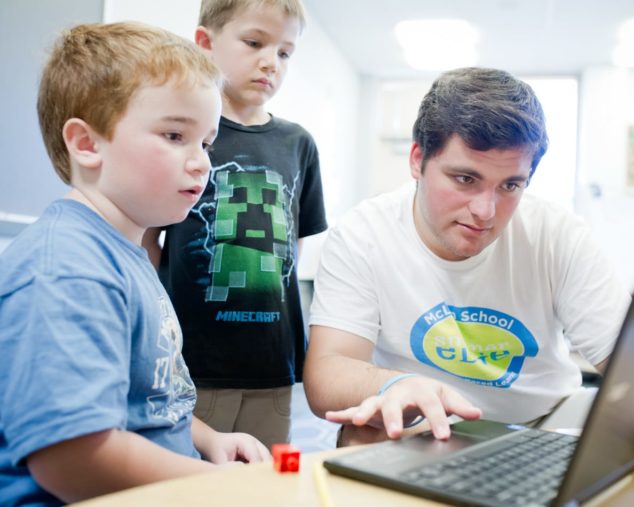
(491,465)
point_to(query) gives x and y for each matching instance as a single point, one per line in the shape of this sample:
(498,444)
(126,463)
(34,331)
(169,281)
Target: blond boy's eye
(174,136)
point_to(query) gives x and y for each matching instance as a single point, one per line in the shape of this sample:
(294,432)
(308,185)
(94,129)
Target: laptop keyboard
(525,468)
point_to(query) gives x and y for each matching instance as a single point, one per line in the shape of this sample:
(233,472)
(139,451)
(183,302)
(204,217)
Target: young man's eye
(512,186)
(464,179)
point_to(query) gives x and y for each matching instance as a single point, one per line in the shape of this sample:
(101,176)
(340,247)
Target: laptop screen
(605,451)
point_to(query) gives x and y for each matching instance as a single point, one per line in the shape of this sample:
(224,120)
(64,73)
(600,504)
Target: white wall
(603,198)
(28,182)
(179,17)
(395,107)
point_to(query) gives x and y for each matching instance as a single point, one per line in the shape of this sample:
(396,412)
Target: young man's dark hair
(487,108)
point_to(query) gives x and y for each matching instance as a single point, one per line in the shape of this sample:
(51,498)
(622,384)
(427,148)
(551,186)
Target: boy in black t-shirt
(230,267)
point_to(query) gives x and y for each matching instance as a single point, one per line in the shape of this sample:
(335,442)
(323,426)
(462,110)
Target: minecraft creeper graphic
(250,234)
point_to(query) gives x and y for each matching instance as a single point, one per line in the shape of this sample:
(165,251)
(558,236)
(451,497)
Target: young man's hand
(403,402)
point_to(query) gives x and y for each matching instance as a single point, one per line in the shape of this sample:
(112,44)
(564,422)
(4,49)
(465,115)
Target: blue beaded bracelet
(393,381)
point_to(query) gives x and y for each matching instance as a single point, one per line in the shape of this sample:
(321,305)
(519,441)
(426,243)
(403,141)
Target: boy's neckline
(238,121)
(251,120)
(259,126)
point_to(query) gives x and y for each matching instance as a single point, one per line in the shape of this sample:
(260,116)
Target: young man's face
(466,197)
(155,167)
(253,50)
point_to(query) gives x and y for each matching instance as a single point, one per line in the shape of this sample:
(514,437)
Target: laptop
(486,463)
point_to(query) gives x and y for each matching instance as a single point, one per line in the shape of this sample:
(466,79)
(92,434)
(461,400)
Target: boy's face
(155,167)
(253,50)
(465,197)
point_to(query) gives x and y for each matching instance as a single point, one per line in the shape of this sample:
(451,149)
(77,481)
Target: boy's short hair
(95,69)
(487,108)
(215,14)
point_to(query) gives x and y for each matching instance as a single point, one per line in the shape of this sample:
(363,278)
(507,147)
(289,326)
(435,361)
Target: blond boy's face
(155,167)
(253,51)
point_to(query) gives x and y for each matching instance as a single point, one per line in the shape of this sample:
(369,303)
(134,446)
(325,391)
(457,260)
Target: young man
(475,290)
(230,267)
(96,396)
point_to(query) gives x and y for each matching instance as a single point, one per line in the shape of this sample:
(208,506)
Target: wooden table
(260,485)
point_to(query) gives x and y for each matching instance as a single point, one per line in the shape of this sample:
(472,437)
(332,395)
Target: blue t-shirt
(89,341)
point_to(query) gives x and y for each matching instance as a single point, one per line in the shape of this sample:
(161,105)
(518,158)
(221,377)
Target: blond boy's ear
(203,37)
(81,143)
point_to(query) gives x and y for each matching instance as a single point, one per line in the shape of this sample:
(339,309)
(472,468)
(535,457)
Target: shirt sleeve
(590,300)
(68,356)
(312,213)
(345,296)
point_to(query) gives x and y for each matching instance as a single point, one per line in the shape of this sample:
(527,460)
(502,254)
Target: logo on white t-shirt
(477,344)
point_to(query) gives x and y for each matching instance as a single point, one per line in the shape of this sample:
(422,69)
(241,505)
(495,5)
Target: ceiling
(527,37)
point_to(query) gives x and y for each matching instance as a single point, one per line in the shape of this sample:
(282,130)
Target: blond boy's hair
(215,14)
(95,69)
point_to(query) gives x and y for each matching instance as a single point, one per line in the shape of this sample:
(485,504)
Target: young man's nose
(482,206)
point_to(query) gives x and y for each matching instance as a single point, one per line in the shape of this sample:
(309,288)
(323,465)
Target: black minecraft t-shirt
(231,267)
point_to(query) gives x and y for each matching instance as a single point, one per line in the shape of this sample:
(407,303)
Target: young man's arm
(221,448)
(105,462)
(600,367)
(151,243)
(341,384)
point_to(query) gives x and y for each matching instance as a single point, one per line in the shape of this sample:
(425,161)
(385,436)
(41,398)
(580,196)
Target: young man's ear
(416,161)
(203,38)
(81,143)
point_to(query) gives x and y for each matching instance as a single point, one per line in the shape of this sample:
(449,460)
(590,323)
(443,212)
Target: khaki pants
(263,413)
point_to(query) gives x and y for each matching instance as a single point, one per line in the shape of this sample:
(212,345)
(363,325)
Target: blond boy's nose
(199,162)
(270,60)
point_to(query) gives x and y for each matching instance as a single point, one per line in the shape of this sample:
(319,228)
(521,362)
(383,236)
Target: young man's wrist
(393,380)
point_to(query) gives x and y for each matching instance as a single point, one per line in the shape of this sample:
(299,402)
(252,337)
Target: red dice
(285,458)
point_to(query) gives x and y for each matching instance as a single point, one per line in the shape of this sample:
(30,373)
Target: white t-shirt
(497,326)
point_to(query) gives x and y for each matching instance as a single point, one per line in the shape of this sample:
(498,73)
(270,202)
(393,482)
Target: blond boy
(230,267)
(96,396)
